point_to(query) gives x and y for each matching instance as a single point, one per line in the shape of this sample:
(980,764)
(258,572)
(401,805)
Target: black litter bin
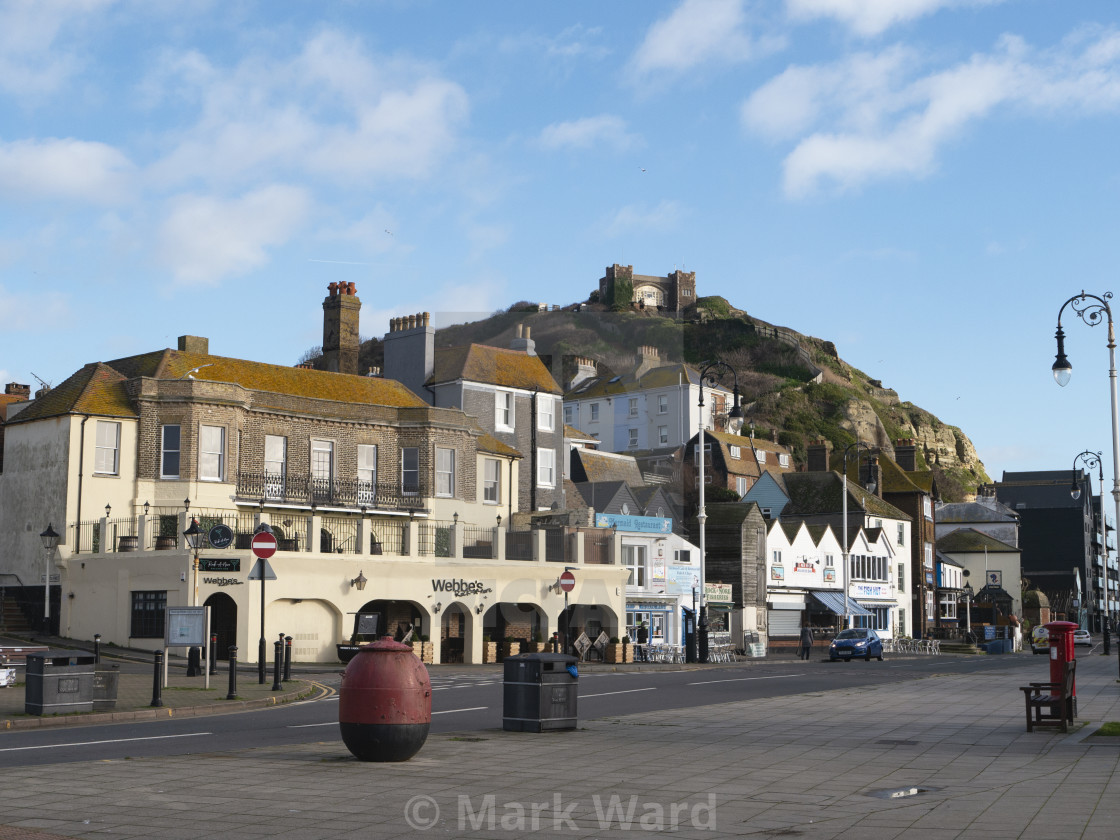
(59,682)
(540,692)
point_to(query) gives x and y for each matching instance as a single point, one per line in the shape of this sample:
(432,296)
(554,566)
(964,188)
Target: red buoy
(385,702)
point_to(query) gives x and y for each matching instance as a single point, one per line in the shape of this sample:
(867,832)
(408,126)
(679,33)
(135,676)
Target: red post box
(1061,650)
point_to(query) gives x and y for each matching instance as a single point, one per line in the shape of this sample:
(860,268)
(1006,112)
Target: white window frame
(367,473)
(741,485)
(632,438)
(504,408)
(663,435)
(760,456)
(275,468)
(546,467)
(634,558)
(633,407)
(736,452)
(662,403)
(211,457)
(569,415)
(107,454)
(445,472)
(165,451)
(491,484)
(546,413)
(594,413)
(783,459)
(410,453)
(318,447)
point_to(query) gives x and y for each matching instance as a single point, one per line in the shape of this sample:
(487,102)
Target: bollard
(232,695)
(157,680)
(97,648)
(1107,632)
(262,661)
(287,658)
(276,684)
(213,654)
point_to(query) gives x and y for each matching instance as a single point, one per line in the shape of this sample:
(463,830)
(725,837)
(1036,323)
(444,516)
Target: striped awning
(834,601)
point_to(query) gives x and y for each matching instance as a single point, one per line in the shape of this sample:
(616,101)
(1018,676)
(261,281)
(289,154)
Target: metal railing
(388,537)
(311,490)
(519,545)
(338,535)
(596,548)
(435,539)
(478,542)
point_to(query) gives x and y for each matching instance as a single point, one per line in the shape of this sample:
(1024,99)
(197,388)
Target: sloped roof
(493,366)
(815,493)
(664,376)
(98,388)
(975,512)
(971,540)
(747,462)
(572,433)
(605,466)
(489,443)
(601,494)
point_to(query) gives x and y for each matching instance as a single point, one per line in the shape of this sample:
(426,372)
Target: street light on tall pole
(1094,310)
(711,372)
(859,444)
(1091,460)
(50,542)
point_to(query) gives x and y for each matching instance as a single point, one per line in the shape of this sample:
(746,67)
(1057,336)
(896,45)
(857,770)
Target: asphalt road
(471,702)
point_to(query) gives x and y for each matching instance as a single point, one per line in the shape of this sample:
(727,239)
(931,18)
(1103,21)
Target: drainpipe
(533,451)
(81,467)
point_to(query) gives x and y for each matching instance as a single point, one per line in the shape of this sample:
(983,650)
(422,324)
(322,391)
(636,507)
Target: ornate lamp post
(50,542)
(711,372)
(844,495)
(968,593)
(1093,310)
(1091,460)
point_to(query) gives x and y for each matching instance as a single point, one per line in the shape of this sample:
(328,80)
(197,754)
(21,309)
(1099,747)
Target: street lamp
(712,372)
(1092,310)
(194,540)
(50,542)
(859,444)
(968,593)
(1091,460)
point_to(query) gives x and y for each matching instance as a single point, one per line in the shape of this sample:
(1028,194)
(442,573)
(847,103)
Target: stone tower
(340,328)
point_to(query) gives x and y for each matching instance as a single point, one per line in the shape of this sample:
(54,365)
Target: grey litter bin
(106,681)
(59,682)
(539,693)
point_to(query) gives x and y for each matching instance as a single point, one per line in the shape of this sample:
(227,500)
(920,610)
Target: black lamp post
(968,594)
(711,373)
(194,540)
(50,542)
(1094,310)
(1091,460)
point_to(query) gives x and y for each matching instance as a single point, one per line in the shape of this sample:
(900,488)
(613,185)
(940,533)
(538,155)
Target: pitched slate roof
(747,462)
(492,366)
(98,388)
(971,540)
(814,493)
(593,465)
(489,443)
(665,376)
(975,512)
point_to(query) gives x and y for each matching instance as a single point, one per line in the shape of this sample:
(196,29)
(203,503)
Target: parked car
(1082,637)
(855,642)
(1040,640)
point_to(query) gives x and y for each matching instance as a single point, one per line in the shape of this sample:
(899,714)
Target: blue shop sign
(641,524)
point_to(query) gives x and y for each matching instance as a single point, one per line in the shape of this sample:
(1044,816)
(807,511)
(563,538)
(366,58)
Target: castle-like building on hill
(672,293)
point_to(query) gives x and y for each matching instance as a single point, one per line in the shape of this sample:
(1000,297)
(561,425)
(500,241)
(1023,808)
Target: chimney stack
(15,389)
(410,352)
(585,369)
(523,342)
(194,344)
(340,328)
(648,358)
(820,452)
(906,454)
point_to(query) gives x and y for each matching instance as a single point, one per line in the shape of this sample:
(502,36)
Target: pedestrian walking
(806,645)
(643,640)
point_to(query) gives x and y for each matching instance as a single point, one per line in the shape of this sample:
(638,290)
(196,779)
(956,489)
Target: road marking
(452,711)
(748,679)
(308,725)
(609,693)
(112,741)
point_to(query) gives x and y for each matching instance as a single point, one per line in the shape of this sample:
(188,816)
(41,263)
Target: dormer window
(735,452)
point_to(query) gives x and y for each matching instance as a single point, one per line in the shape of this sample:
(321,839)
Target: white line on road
(112,741)
(748,679)
(309,725)
(609,693)
(452,711)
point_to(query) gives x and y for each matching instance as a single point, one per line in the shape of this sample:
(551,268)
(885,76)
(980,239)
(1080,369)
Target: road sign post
(567,584)
(264,546)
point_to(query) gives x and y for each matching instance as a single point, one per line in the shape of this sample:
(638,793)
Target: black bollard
(213,654)
(276,684)
(1107,632)
(232,695)
(97,648)
(287,658)
(262,661)
(194,662)
(157,680)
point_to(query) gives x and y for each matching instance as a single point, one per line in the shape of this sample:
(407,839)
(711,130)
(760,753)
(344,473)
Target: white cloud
(874,116)
(65,168)
(32,62)
(641,218)
(332,110)
(873,17)
(205,239)
(23,311)
(586,133)
(698,32)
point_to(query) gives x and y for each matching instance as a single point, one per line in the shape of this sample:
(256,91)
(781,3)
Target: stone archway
(454,632)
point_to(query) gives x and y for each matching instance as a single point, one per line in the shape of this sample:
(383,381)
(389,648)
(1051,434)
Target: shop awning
(834,601)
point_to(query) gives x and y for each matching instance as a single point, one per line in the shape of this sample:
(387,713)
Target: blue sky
(924,182)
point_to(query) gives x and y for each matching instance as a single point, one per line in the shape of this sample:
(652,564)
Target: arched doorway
(223,622)
(394,617)
(453,626)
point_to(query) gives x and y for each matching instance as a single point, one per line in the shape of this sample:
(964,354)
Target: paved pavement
(942,757)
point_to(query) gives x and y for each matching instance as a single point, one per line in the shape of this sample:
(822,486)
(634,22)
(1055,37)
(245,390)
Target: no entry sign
(264,545)
(567,581)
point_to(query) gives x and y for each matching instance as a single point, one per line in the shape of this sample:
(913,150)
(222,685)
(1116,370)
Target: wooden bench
(1051,703)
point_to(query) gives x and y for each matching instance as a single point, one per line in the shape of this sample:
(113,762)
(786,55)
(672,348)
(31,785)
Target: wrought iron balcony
(307,489)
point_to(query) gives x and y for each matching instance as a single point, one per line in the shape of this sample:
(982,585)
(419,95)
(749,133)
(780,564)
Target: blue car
(850,643)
